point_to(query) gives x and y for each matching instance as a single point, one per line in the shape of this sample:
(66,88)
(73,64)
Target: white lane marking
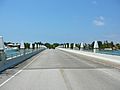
(19,71)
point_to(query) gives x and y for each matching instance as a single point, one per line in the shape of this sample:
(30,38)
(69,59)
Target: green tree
(71,45)
(100,44)
(117,46)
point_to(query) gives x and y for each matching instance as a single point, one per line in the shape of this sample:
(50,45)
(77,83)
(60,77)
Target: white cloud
(99,21)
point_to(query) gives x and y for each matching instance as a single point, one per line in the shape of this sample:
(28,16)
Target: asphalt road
(58,70)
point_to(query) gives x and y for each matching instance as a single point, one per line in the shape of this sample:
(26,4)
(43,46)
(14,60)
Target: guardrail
(11,62)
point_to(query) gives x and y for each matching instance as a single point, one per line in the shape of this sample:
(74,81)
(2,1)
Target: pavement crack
(66,80)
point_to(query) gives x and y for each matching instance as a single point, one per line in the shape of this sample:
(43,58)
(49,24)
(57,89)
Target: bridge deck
(58,70)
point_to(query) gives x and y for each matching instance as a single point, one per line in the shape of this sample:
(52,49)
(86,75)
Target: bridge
(59,69)
(55,69)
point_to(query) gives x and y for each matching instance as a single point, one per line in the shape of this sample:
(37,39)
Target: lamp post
(69,45)
(30,45)
(35,46)
(2,51)
(22,47)
(96,47)
(81,46)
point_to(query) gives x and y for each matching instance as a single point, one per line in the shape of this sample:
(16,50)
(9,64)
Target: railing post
(96,47)
(22,47)
(81,46)
(2,51)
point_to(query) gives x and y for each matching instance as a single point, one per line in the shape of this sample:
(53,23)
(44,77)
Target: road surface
(58,70)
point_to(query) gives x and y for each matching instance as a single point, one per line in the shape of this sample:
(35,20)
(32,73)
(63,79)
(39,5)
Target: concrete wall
(14,61)
(98,56)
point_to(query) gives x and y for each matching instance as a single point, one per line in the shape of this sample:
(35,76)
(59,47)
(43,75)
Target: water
(109,52)
(12,53)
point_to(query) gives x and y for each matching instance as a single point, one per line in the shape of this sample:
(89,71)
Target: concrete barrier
(104,57)
(14,61)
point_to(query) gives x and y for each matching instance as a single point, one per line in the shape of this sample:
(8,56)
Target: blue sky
(60,20)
